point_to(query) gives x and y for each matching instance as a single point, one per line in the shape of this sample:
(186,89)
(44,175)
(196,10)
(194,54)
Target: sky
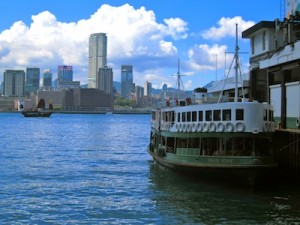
(151,35)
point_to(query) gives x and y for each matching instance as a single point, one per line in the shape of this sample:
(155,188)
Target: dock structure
(287,152)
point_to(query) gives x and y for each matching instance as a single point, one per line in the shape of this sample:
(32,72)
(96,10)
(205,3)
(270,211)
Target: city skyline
(145,34)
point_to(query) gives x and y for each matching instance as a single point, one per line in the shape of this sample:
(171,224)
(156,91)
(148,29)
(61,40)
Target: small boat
(40,111)
(222,140)
(37,113)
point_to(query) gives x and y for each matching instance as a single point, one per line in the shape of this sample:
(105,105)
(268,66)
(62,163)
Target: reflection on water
(199,202)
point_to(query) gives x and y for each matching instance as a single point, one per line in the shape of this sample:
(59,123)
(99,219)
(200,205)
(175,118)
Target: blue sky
(151,35)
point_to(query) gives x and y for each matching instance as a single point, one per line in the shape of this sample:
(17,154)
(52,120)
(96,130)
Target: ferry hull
(251,175)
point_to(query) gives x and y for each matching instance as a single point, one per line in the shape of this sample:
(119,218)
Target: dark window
(200,116)
(178,117)
(217,115)
(208,115)
(271,115)
(266,115)
(172,116)
(188,117)
(239,114)
(194,116)
(183,116)
(227,115)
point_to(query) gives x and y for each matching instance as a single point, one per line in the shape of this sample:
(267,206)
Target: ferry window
(200,116)
(208,115)
(183,116)
(178,117)
(266,115)
(172,116)
(271,115)
(188,117)
(194,116)
(252,45)
(264,40)
(181,143)
(227,114)
(217,115)
(165,116)
(239,114)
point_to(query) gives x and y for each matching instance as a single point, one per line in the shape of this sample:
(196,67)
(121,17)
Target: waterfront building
(47,79)
(105,80)
(32,82)
(275,67)
(97,57)
(65,73)
(126,81)
(147,89)
(14,83)
(138,95)
(78,99)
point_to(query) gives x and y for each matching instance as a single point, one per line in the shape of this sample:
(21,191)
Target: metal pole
(236,66)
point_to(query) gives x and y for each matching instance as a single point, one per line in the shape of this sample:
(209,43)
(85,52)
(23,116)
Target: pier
(287,153)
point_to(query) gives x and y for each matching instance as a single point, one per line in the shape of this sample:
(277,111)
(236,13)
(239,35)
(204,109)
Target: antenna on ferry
(179,81)
(236,55)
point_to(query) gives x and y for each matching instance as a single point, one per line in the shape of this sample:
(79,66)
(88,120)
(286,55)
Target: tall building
(47,79)
(126,81)
(147,89)
(97,56)
(105,80)
(32,82)
(138,95)
(65,73)
(14,83)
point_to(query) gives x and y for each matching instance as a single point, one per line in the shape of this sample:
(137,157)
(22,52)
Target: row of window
(210,115)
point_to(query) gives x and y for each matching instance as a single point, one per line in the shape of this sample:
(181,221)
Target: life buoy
(220,127)
(194,127)
(205,127)
(212,127)
(188,127)
(184,127)
(180,127)
(239,126)
(229,127)
(199,127)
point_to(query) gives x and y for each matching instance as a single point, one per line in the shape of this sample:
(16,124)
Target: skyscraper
(32,82)
(47,79)
(105,80)
(97,56)
(126,81)
(14,83)
(65,73)
(147,89)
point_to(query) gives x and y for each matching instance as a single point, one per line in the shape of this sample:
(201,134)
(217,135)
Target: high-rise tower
(97,56)
(126,81)
(14,83)
(65,73)
(32,82)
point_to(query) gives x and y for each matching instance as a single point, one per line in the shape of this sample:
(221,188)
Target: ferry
(227,139)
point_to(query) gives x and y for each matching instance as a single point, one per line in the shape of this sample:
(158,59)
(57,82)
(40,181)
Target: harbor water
(95,169)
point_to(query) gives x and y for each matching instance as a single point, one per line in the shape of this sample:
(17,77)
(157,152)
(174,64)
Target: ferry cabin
(225,129)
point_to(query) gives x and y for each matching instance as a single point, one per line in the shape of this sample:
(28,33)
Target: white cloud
(132,33)
(204,57)
(226,27)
